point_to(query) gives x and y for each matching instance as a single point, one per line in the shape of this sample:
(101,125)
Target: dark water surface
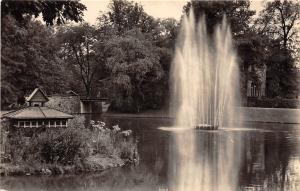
(261,156)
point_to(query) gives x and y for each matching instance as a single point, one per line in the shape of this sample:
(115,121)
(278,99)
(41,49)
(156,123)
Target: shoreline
(92,164)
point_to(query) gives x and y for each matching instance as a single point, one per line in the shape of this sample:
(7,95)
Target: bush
(64,145)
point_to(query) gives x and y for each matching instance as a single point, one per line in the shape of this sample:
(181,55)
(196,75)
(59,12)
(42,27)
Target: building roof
(35,112)
(38,96)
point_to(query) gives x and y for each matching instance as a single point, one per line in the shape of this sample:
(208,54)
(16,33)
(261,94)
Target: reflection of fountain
(205,75)
(205,161)
(205,80)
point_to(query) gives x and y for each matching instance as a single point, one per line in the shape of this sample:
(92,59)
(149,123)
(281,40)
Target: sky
(155,8)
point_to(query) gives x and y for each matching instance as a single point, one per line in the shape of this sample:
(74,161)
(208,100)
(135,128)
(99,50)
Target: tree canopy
(238,13)
(51,11)
(29,55)
(278,20)
(133,63)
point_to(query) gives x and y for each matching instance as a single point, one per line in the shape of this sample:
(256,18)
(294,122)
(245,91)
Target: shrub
(51,146)
(64,145)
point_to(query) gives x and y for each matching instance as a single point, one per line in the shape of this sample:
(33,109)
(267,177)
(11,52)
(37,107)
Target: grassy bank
(91,164)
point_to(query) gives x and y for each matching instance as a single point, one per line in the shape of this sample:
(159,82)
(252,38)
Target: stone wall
(270,115)
(67,104)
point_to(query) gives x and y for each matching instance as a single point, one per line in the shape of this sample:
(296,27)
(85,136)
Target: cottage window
(58,123)
(40,123)
(33,123)
(21,123)
(47,123)
(52,123)
(27,124)
(64,123)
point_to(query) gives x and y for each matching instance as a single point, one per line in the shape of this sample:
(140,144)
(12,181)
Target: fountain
(205,80)
(205,75)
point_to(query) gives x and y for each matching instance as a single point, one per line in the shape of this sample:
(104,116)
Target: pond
(256,156)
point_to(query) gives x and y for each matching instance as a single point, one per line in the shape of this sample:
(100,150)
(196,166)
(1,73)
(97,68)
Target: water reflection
(214,165)
(271,161)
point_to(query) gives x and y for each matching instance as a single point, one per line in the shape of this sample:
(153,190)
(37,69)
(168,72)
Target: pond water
(257,156)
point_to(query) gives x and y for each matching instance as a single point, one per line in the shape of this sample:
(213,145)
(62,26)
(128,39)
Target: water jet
(205,76)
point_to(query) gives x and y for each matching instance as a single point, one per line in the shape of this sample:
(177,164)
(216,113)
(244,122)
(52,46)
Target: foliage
(278,21)
(167,30)
(51,146)
(134,63)
(127,15)
(282,79)
(113,141)
(81,58)
(79,52)
(237,13)
(63,146)
(29,56)
(52,11)
(69,146)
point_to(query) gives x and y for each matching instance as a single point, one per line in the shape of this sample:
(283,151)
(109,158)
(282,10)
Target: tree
(167,30)
(134,66)
(52,11)
(29,58)
(278,21)
(282,79)
(238,13)
(125,15)
(78,50)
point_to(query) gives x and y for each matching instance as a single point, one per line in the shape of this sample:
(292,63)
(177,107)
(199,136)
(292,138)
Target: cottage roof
(37,96)
(37,113)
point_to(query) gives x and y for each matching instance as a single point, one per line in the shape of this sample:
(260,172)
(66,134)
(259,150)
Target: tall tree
(77,49)
(51,11)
